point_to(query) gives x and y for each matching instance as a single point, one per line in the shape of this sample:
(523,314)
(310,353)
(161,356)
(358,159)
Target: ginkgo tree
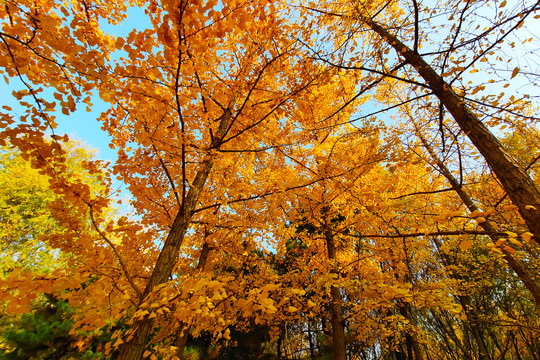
(406,28)
(208,78)
(234,121)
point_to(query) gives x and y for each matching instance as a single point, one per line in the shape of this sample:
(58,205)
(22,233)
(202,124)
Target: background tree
(25,196)
(27,220)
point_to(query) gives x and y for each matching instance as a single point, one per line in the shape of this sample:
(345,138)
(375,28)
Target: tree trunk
(338,328)
(517,184)
(526,278)
(134,349)
(413,345)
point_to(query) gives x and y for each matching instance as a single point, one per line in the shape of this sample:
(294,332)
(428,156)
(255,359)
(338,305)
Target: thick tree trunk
(134,349)
(526,278)
(517,184)
(338,327)
(338,331)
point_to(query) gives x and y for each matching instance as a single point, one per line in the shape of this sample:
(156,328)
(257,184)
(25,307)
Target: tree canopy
(353,180)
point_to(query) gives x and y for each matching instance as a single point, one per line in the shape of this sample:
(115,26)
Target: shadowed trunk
(134,349)
(338,331)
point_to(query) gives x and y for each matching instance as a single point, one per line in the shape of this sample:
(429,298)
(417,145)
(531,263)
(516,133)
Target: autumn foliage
(353,180)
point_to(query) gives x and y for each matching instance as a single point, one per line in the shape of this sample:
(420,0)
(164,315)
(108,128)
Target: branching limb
(116,253)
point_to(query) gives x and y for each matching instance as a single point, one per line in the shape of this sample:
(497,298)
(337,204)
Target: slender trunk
(517,184)
(465,301)
(449,332)
(526,278)
(516,347)
(338,331)
(413,346)
(474,329)
(134,349)
(472,317)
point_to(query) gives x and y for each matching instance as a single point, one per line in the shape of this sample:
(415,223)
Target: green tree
(24,215)
(26,220)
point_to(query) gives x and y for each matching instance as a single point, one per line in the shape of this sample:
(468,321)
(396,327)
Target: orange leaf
(465,245)
(514,73)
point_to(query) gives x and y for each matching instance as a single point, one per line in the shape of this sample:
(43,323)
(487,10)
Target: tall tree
(412,33)
(234,119)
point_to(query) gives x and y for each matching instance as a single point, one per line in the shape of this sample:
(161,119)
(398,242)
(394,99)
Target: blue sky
(82,125)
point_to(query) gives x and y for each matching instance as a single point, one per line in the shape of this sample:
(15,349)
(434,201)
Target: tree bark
(515,181)
(338,327)
(134,349)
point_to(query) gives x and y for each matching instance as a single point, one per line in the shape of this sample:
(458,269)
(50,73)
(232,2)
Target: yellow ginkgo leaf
(526,236)
(465,245)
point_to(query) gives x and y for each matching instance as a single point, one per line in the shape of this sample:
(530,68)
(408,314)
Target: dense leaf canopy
(352,179)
